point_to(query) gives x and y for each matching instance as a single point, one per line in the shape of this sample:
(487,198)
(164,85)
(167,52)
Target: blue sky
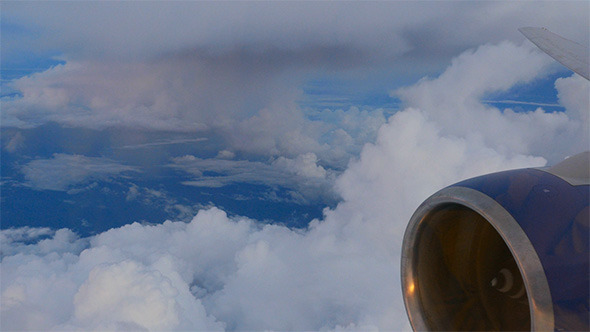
(253,165)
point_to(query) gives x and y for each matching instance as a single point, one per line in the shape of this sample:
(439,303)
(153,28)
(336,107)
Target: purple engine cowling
(504,251)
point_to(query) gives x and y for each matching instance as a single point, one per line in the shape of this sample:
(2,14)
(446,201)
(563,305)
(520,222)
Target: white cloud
(574,95)
(301,174)
(304,165)
(226,154)
(117,294)
(63,171)
(342,272)
(453,100)
(163,199)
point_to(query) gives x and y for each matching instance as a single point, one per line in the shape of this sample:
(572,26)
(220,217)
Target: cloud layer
(250,108)
(236,70)
(63,170)
(306,180)
(342,272)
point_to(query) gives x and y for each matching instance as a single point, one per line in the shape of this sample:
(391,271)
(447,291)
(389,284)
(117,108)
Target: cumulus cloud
(63,171)
(17,240)
(226,154)
(453,100)
(304,165)
(574,94)
(342,272)
(114,296)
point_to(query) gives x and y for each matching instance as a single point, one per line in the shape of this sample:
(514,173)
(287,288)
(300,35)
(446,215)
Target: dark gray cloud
(84,30)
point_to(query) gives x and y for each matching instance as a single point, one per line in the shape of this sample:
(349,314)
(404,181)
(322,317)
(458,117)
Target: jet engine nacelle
(504,251)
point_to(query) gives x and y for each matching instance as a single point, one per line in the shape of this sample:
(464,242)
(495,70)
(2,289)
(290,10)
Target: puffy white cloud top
(342,272)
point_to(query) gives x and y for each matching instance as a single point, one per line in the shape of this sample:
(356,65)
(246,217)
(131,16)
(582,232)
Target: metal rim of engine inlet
(521,248)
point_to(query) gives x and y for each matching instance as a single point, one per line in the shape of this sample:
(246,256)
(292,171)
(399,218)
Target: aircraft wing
(568,53)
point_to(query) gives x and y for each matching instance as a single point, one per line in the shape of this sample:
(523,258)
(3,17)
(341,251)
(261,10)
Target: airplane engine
(504,251)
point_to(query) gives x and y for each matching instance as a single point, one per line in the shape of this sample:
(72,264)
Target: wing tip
(531,30)
(569,53)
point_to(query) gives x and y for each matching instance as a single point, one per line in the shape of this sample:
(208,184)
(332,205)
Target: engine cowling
(504,251)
